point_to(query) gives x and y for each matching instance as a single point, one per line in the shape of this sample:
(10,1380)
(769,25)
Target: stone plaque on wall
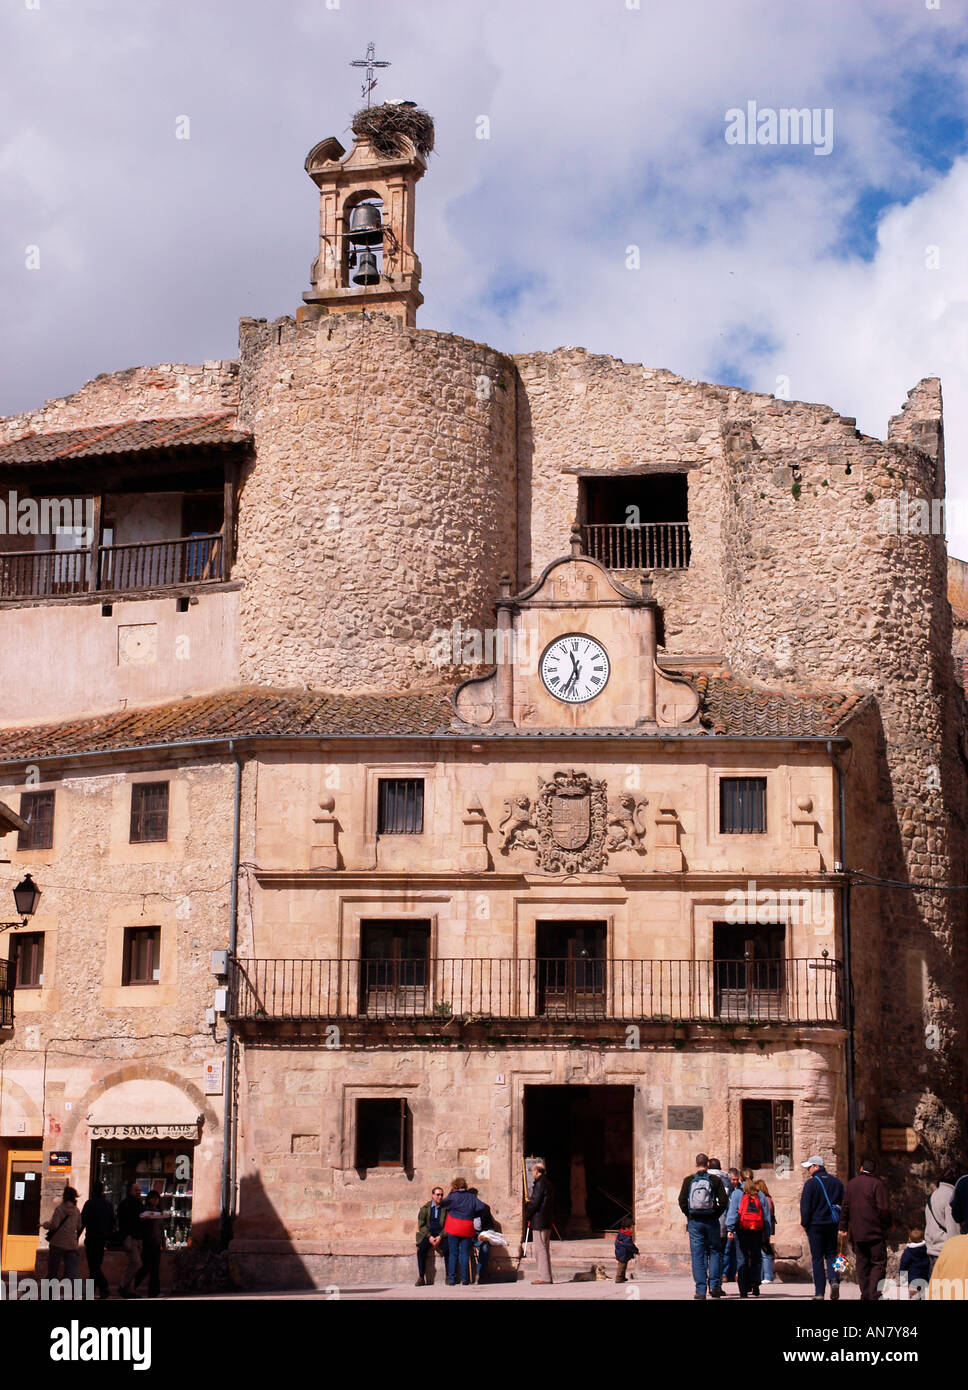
(684,1117)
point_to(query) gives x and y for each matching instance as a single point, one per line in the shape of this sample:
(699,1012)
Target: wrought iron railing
(681,991)
(6,996)
(651,545)
(138,565)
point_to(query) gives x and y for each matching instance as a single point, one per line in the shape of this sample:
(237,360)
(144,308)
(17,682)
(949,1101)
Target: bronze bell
(367,273)
(365,225)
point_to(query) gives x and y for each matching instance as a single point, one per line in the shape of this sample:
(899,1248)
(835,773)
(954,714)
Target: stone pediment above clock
(575,650)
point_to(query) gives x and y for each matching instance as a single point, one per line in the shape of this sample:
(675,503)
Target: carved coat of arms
(570,815)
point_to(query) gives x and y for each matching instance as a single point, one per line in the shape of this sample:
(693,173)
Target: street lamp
(26,896)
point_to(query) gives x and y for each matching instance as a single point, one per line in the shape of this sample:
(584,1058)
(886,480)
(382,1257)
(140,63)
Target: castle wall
(381,503)
(137,393)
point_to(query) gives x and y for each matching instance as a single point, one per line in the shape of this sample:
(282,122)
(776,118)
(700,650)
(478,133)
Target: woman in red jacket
(460,1207)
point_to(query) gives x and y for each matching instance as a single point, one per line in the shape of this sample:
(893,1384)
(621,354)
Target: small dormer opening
(636,522)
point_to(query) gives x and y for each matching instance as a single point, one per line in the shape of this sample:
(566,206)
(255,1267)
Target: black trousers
(871,1267)
(423,1249)
(94,1249)
(748,1273)
(150,1266)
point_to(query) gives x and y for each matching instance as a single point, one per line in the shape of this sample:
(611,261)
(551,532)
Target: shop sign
(214,1071)
(58,1161)
(190,1131)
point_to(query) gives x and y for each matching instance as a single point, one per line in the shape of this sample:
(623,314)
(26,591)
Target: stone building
(569,757)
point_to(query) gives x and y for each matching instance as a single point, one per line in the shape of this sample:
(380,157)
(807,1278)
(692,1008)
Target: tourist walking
(430,1233)
(460,1207)
(939,1222)
(767,1270)
(820,1218)
(129,1228)
(702,1200)
(152,1244)
(959,1204)
(866,1218)
(734,1184)
(540,1211)
(747,1226)
(63,1229)
(97,1222)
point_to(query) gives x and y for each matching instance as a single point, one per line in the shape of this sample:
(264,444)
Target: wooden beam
(97,524)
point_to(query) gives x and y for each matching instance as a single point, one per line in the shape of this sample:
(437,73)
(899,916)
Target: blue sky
(606,131)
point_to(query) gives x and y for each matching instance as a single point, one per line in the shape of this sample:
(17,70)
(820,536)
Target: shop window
(149,812)
(142,956)
(742,806)
(165,1167)
(382,1134)
(37,809)
(401,806)
(27,960)
(768,1134)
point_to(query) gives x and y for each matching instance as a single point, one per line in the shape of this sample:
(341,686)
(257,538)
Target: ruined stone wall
(381,502)
(137,393)
(818,589)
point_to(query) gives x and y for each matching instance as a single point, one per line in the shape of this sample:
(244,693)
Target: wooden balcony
(541,996)
(140,566)
(653,545)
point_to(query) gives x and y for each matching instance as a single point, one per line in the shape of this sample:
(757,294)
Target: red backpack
(751,1213)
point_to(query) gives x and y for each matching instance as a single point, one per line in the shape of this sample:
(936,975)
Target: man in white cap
(820,1204)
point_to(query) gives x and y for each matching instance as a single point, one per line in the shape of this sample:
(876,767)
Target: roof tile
(124,437)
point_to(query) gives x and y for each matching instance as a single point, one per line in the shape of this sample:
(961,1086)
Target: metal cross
(369,62)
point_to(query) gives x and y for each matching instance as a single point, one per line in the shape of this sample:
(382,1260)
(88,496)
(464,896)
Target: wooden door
(748,971)
(21,1209)
(571,969)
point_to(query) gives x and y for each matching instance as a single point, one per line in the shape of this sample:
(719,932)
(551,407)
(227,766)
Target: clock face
(574,668)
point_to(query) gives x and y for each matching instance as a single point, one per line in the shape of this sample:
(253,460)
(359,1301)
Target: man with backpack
(747,1226)
(702,1200)
(820,1205)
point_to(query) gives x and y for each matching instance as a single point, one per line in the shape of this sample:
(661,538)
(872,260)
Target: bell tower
(366,258)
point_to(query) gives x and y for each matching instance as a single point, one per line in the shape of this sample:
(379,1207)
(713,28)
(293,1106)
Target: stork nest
(388,128)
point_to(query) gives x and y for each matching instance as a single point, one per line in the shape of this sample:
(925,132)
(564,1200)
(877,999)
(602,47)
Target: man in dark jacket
(959,1204)
(702,1201)
(129,1225)
(820,1203)
(540,1211)
(866,1216)
(97,1222)
(430,1233)
(152,1243)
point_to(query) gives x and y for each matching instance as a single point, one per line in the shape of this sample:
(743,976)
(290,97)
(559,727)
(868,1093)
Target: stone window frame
(374,773)
(722,840)
(350,1093)
(768,1090)
(355,911)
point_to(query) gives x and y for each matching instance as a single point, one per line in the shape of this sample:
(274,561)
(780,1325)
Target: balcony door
(394,969)
(748,971)
(201,522)
(571,969)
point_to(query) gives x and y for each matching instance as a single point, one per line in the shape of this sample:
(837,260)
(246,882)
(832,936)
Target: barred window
(142,956)
(401,806)
(742,806)
(37,809)
(149,812)
(27,960)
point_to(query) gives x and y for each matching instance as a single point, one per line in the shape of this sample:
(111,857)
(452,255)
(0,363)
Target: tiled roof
(727,708)
(125,437)
(239,714)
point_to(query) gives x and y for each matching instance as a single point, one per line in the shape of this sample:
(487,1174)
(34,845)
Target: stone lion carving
(626,824)
(518,829)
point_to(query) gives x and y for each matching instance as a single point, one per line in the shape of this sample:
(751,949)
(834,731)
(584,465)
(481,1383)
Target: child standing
(625,1251)
(915,1261)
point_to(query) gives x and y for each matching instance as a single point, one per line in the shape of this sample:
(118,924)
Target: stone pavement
(648,1289)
